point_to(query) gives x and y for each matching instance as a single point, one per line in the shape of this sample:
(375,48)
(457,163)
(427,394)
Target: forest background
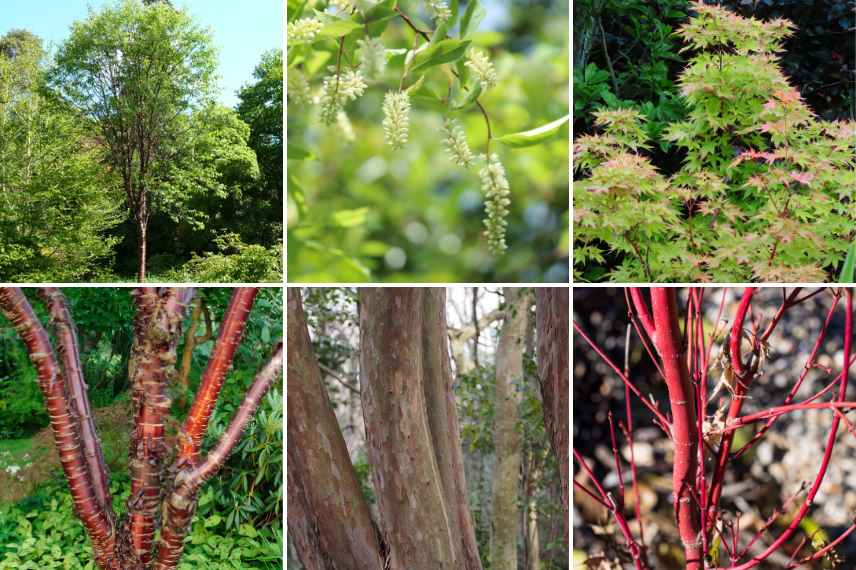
(214,161)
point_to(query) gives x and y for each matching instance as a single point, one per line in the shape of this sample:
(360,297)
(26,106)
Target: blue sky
(243,29)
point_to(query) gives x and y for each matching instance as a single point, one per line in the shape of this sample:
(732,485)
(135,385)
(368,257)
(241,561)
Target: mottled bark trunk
(552,322)
(328,518)
(532,537)
(509,377)
(443,424)
(416,524)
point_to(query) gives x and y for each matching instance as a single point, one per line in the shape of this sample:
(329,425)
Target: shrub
(765,192)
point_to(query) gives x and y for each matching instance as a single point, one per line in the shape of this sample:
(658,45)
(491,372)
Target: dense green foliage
(118,136)
(56,200)
(765,191)
(239,518)
(388,113)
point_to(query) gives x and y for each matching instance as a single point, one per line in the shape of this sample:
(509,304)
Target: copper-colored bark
(328,518)
(552,322)
(157,329)
(69,352)
(181,502)
(65,426)
(228,339)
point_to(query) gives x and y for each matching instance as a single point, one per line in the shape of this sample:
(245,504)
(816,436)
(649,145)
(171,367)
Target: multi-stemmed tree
(164,481)
(412,435)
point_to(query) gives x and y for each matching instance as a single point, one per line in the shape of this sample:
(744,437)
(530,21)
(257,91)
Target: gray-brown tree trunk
(328,518)
(411,430)
(507,440)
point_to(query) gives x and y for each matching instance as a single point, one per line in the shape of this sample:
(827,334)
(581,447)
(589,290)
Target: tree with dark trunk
(164,482)
(136,70)
(551,316)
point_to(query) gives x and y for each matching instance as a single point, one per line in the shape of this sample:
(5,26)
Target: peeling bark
(156,333)
(228,339)
(552,321)
(416,524)
(443,424)
(65,426)
(328,518)
(180,504)
(157,323)
(507,440)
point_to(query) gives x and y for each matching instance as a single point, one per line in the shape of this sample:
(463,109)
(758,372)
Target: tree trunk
(328,518)
(156,493)
(532,538)
(443,424)
(509,378)
(142,229)
(419,525)
(552,321)
(191,341)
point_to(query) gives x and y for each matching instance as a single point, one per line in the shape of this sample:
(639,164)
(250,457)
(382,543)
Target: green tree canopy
(135,70)
(55,202)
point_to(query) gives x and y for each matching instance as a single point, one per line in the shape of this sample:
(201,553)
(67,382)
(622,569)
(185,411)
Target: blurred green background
(358,211)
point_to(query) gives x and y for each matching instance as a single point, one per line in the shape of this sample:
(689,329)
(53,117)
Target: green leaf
(296,152)
(339,28)
(473,16)
(444,51)
(848,272)
(350,218)
(534,136)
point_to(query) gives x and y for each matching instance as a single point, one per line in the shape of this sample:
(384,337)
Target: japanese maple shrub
(766,189)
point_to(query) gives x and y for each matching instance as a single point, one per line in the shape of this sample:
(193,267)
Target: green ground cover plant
(765,191)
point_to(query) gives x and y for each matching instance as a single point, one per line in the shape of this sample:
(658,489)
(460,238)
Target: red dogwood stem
(228,339)
(734,408)
(667,340)
(181,502)
(827,454)
(65,426)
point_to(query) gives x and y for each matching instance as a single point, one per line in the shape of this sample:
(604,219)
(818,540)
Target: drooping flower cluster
(372,56)
(456,145)
(481,68)
(497,199)
(396,118)
(337,91)
(440,10)
(298,88)
(303,30)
